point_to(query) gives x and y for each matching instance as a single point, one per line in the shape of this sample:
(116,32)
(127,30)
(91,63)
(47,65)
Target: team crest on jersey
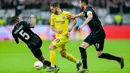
(63,17)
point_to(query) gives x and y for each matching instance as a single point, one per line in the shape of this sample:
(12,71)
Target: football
(38,65)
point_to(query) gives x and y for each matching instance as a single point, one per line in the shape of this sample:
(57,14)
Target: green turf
(18,58)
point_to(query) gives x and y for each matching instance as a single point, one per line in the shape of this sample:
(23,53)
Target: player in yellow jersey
(59,24)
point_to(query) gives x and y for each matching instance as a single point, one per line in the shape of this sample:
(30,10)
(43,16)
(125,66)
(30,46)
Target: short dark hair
(85,1)
(55,5)
(14,19)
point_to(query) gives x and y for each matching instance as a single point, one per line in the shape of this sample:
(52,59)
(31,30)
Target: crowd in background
(117,7)
(114,5)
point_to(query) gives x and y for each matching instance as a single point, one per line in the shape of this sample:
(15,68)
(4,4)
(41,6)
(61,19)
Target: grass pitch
(18,58)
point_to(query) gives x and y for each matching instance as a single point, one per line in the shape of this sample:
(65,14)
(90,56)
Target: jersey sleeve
(68,14)
(15,38)
(52,20)
(89,11)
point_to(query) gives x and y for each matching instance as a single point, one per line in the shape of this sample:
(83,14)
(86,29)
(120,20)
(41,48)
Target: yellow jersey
(61,22)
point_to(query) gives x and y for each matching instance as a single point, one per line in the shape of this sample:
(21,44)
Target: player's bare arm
(73,22)
(88,19)
(72,25)
(55,30)
(78,15)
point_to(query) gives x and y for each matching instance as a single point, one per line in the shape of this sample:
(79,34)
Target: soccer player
(96,37)
(22,31)
(59,24)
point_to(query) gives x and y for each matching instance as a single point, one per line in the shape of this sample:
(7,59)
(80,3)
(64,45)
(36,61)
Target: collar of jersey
(60,13)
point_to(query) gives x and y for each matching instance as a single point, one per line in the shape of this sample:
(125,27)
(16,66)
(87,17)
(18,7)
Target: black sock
(47,63)
(84,57)
(110,57)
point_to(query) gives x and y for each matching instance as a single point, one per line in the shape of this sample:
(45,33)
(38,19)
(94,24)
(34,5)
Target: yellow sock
(71,58)
(52,57)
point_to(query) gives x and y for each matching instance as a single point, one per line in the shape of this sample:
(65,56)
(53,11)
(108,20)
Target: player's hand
(80,28)
(32,22)
(32,16)
(59,31)
(70,29)
(73,16)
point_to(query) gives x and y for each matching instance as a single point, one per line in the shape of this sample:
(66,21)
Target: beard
(82,8)
(56,12)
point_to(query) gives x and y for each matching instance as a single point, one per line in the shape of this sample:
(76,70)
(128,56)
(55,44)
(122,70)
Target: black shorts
(35,48)
(96,39)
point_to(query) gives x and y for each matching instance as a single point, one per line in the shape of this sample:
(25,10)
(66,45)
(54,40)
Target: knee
(99,54)
(84,45)
(38,55)
(63,54)
(51,47)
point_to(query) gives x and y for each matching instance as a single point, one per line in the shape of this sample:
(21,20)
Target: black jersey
(94,24)
(22,31)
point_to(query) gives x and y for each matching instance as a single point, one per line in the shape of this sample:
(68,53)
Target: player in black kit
(22,31)
(96,37)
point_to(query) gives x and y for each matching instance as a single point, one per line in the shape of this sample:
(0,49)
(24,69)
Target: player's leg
(53,56)
(64,54)
(56,43)
(83,53)
(61,41)
(44,61)
(99,47)
(87,42)
(38,54)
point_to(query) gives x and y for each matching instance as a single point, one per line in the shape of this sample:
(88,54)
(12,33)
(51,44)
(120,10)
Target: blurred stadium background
(115,18)
(110,12)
